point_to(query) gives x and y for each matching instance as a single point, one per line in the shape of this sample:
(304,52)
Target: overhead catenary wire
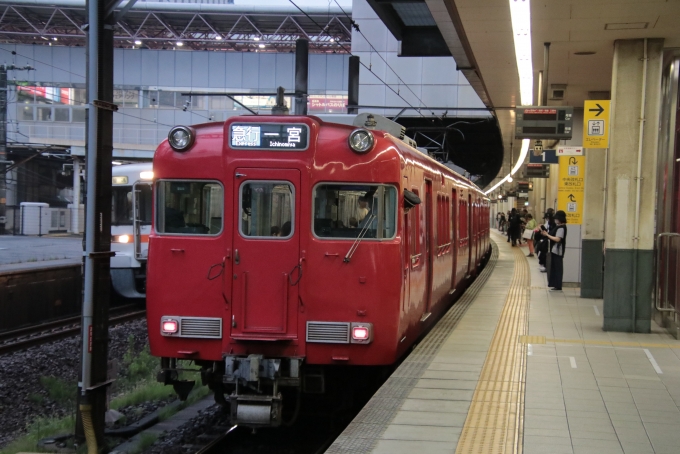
(356,27)
(348,51)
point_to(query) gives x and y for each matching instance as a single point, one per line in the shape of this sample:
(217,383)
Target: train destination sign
(269,136)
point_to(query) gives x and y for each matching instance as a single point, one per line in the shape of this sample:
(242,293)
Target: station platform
(19,253)
(516,368)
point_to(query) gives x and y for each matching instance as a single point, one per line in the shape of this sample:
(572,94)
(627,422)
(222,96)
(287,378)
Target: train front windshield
(121,206)
(347,210)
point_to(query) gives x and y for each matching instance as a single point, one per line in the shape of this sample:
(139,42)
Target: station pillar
(592,240)
(631,183)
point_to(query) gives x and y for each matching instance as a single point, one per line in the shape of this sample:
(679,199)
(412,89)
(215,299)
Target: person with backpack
(558,238)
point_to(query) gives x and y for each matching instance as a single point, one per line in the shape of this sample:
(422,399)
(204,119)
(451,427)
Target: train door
(429,240)
(478,226)
(469,232)
(406,252)
(266,254)
(454,236)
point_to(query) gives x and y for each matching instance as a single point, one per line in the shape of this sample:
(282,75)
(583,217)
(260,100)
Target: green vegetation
(36,398)
(60,391)
(137,368)
(145,441)
(196,394)
(144,393)
(39,429)
(136,384)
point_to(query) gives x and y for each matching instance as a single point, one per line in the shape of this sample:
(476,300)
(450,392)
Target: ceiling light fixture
(180,43)
(520,12)
(218,37)
(261,46)
(257,38)
(138,43)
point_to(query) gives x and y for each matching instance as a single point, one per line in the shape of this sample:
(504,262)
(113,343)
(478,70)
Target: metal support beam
(301,75)
(98,217)
(353,84)
(3,146)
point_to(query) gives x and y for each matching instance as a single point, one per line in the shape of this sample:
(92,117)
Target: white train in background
(130,227)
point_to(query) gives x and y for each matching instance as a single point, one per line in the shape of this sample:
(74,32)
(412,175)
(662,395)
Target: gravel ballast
(23,398)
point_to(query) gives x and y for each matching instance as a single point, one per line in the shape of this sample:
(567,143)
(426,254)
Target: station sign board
(569,151)
(547,157)
(596,124)
(525,186)
(537,171)
(539,122)
(571,187)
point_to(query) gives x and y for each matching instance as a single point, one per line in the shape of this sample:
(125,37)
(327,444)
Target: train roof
(211,133)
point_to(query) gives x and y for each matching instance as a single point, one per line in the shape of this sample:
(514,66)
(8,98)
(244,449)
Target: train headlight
(181,138)
(169,326)
(362,333)
(361,140)
(120,239)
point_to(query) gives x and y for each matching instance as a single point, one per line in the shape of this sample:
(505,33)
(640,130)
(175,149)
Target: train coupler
(256,400)
(256,411)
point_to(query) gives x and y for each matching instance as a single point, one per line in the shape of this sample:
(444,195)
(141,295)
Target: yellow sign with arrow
(571,186)
(596,124)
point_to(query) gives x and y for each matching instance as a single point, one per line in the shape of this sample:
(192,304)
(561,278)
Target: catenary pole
(94,379)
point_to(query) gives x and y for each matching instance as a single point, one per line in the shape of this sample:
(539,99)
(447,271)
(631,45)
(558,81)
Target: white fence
(40,219)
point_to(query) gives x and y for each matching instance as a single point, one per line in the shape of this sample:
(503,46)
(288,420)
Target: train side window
(189,207)
(346,210)
(266,209)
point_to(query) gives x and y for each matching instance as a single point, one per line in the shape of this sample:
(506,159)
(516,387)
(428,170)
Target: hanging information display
(571,186)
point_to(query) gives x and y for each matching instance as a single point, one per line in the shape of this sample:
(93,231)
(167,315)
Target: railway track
(23,338)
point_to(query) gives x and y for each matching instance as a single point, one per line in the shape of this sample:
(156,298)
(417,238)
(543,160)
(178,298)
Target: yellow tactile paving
(494,423)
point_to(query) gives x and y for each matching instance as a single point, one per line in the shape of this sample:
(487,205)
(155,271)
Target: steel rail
(13,341)
(215,443)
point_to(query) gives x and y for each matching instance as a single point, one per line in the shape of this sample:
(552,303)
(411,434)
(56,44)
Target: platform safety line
(495,422)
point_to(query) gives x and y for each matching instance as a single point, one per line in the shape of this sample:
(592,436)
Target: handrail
(658,271)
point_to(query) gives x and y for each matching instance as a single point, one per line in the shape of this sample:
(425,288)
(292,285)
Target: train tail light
(362,333)
(169,327)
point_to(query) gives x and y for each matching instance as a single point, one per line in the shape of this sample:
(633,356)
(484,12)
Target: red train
(284,246)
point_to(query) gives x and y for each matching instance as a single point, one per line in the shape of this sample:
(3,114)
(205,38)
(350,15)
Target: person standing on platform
(558,238)
(530,227)
(543,244)
(515,226)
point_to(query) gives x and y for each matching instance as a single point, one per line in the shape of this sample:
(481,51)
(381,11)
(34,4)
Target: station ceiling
(581,32)
(198,26)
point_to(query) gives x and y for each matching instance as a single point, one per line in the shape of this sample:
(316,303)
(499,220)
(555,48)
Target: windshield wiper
(360,237)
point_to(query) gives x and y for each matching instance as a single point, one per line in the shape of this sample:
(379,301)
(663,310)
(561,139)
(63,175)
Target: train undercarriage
(260,392)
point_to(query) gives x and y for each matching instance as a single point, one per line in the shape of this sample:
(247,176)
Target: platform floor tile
(574,389)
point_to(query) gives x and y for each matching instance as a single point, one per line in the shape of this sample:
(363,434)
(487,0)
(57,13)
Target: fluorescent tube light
(520,12)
